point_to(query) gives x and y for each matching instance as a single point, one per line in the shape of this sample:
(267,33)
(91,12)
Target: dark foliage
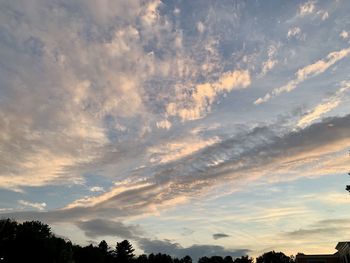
(274,257)
(124,252)
(227,259)
(34,242)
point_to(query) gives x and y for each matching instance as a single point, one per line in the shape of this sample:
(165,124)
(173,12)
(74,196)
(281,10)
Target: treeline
(34,242)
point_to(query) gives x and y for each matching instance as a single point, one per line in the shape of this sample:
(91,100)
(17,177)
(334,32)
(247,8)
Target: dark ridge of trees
(274,257)
(34,242)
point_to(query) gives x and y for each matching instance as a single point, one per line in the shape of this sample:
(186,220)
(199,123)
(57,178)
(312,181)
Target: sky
(187,127)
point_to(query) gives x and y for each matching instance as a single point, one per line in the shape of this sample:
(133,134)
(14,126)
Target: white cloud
(164,124)
(176,150)
(306,72)
(307,8)
(97,189)
(205,94)
(81,79)
(200,27)
(268,65)
(324,14)
(294,32)
(344,34)
(38,206)
(324,107)
(271,61)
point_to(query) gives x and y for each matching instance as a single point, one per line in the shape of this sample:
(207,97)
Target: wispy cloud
(305,73)
(323,229)
(125,109)
(324,107)
(180,149)
(38,206)
(204,95)
(165,188)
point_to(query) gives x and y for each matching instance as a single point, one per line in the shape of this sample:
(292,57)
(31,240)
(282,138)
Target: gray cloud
(101,227)
(314,232)
(189,176)
(220,235)
(195,251)
(323,228)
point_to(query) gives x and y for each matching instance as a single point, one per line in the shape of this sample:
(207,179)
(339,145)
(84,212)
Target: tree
(228,259)
(103,246)
(8,231)
(216,259)
(348,186)
(186,259)
(203,260)
(274,257)
(142,259)
(32,242)
(124,252)
(243,259)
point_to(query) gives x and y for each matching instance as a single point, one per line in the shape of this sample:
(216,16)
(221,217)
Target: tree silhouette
(274,257)
(103,246)
(186,259)
(8,230)
(348,186)
(142,259)
(124,252)
(228,259)
(244,259)
(34,242)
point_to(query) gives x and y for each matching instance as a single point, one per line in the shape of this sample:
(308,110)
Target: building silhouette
(341,256)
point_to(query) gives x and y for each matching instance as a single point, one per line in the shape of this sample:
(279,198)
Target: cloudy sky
(188,127)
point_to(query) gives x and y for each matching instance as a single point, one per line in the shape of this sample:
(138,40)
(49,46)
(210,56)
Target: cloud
(38,206)
(327,105)
(180,149)
(96,189)
(307,8)
(323,14)
(205,94)
(102,227)
(200,27)
(271,61)
(329,228)
(305,73)
(294,32)
(260,152)
(344,34)
(332,198)
(307,233)
(86,87)
(195,251)
(92,90)
(268,65)
(164,124)
(220,235)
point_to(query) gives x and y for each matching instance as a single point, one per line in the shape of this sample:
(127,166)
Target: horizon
(205,127)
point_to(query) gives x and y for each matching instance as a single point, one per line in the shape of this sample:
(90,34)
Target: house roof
(342,245)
